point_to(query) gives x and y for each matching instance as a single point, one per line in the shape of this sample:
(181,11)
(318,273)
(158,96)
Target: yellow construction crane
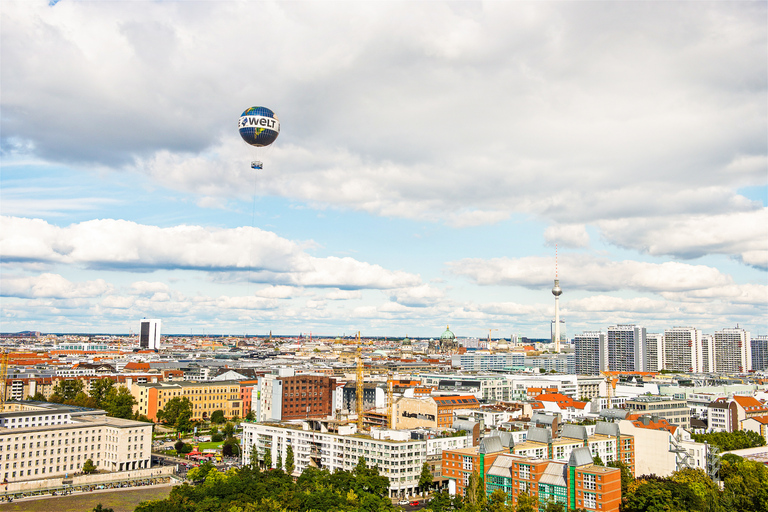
(611,380)
(3,378)
(359,390)
(390,404)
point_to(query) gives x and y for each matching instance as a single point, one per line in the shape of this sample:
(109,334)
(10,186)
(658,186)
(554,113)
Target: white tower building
(557,292)
(149,334)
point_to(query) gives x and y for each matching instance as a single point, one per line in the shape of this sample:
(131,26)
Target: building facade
(591,353)
(149,334)
(42,440)
(205,398)
(732,352)
(626,348)
(683,350)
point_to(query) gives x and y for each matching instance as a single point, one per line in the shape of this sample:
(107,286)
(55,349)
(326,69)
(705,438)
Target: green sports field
(119,501)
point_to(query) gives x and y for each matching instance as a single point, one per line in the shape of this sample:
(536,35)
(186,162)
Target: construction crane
(611,380)
(390,404)
(359,390)
(3,378)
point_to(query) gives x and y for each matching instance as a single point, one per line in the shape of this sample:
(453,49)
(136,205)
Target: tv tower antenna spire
(557,291)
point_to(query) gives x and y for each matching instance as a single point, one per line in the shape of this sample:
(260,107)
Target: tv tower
(557,292)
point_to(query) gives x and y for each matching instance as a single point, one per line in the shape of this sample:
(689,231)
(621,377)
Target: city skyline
(431,155)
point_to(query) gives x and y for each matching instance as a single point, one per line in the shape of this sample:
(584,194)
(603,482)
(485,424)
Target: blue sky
(431,155)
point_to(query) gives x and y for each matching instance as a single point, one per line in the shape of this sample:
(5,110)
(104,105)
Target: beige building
(414,413)
(39,441)
(206,397)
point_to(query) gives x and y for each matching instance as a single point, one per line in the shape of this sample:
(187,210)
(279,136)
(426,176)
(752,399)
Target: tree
(425,479)
(99,390)
(526,503)
(88,467)
(626,475)
(68,389)
(217,416)
(474,493)
(290,465)
(497,502)
(100,508)
(177,412)
(217,437)
(597,461)
(250,416)
(253,458)
(119,402)
(230,447)
(178,446)
(279,463)
(267,458)
(228,430)
(38,397)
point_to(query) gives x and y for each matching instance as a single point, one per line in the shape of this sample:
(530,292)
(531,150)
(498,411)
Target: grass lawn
(120,501)
(208,446)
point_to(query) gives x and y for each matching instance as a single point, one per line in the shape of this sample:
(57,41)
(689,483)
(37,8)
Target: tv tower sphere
(557,291)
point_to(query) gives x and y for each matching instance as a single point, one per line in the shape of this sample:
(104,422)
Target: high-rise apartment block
(707,353)
(591,352)
(149,334)
(626,348)
(655,349)
(759,349)
(732,351)
(682,348)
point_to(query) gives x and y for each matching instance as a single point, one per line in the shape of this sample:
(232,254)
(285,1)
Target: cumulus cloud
(568,235)
(417,296)
(52,286)
(743,234)
(124,245)
(396,134)
(584,272)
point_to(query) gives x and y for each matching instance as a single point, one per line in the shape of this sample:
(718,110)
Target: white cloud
(417,296)
(567,235)
(583,272)
(344,295)
(743,234)
(557,124)
(52,286)
(124,245)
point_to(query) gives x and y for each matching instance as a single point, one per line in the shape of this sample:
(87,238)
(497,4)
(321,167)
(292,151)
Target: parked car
(402,502)
(415,503)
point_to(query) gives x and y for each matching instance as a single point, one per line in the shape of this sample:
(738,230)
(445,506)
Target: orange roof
(136,366)
(561,400)
(661,424)
(750,403)
(760,419)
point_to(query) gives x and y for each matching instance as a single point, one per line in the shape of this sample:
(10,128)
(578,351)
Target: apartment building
(727,414)
(576,484)
(43,440)
(732,351)
(459,465)
(591,352)
(328,445)
(607,442)
(674,411)
(655,351)
(488,388)
(206,397)
(626,348)
(683,350)
(446,405)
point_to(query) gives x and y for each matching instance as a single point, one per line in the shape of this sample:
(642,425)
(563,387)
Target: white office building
(149,334)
